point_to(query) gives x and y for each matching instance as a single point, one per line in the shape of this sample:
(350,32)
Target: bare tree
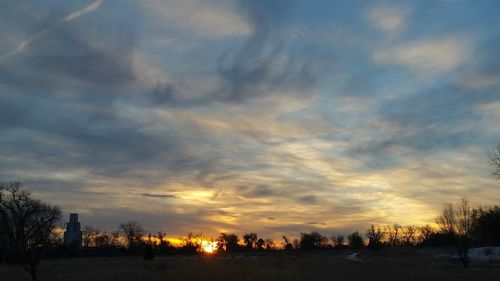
(409,235)
(494,156)
(26,225)
(393,234)
(355,240)
(133,232)
(375,236)
(456,220)
(287,245)
(269,244)
(338,241)
(102,240)
(426,232)
(89,235)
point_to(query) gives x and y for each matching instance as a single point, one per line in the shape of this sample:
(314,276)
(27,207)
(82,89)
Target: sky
(276,117)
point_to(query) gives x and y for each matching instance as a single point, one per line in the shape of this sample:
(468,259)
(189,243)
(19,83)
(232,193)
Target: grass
(385,265)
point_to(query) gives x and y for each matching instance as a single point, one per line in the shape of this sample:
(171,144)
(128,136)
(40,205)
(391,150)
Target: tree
(393,234)
(312,241)
(456,221)
(227,243)
(338,241)
(486,225)
(409,235)
(494,156)
(149,253)
(133,233)
(89,235)
(163,244)
(269,244)
(375,237)
(286,243)
(26,226)
(426,232)
(355,240)
(261,244)
(102,240)
(250,240)
(192,243)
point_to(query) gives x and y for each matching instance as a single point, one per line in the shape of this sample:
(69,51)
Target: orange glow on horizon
(205,246)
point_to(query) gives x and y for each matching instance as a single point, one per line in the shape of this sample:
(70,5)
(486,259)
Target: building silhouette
(73,233)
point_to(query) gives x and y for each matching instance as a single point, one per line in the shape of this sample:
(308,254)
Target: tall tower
(73,233)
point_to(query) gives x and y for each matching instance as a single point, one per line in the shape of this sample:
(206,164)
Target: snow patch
(353,257)
(485,254)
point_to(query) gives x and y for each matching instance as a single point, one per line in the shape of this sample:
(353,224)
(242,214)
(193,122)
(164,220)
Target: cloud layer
(281,117)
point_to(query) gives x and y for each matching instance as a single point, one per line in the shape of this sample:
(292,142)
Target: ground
(383,265)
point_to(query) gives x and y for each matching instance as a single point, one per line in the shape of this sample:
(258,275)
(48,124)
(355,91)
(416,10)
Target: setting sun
(208,246)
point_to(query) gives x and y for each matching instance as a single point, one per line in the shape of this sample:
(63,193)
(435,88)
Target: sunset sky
(276,117)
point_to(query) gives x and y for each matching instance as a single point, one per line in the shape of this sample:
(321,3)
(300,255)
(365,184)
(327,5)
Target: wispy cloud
(90,8)
(202,18)
(250,128)
(389,19)
(427,56)
(156,195)
(22,45)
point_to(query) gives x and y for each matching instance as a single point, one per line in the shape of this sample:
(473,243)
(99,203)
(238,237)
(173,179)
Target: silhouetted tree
(393,234)
(133,233)
(163,246)
(191,243)
(149,253)
(269,244)
(250,240)
(102,240)
(409,235)
(375,237)
(261,244)
(286,243)
(486,225)
(456,221)
(494,156)
(312,241)
(89,234)
(26,226)
(426,232)
(227,243)
(355,240)
(338,241)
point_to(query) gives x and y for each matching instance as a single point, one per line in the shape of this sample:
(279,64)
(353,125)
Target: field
(324,265)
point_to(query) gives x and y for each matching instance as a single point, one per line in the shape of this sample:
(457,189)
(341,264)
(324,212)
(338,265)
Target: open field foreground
(326,265)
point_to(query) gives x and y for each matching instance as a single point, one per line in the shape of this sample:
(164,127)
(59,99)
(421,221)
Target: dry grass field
(386,265)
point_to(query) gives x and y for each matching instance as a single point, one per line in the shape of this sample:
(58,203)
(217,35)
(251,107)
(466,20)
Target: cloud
(155,195)
(262,65)
(482,81)
(388,19)
(203,18)
(428,56)
(238,130)
(90,8)
(22,45)
(308,199)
